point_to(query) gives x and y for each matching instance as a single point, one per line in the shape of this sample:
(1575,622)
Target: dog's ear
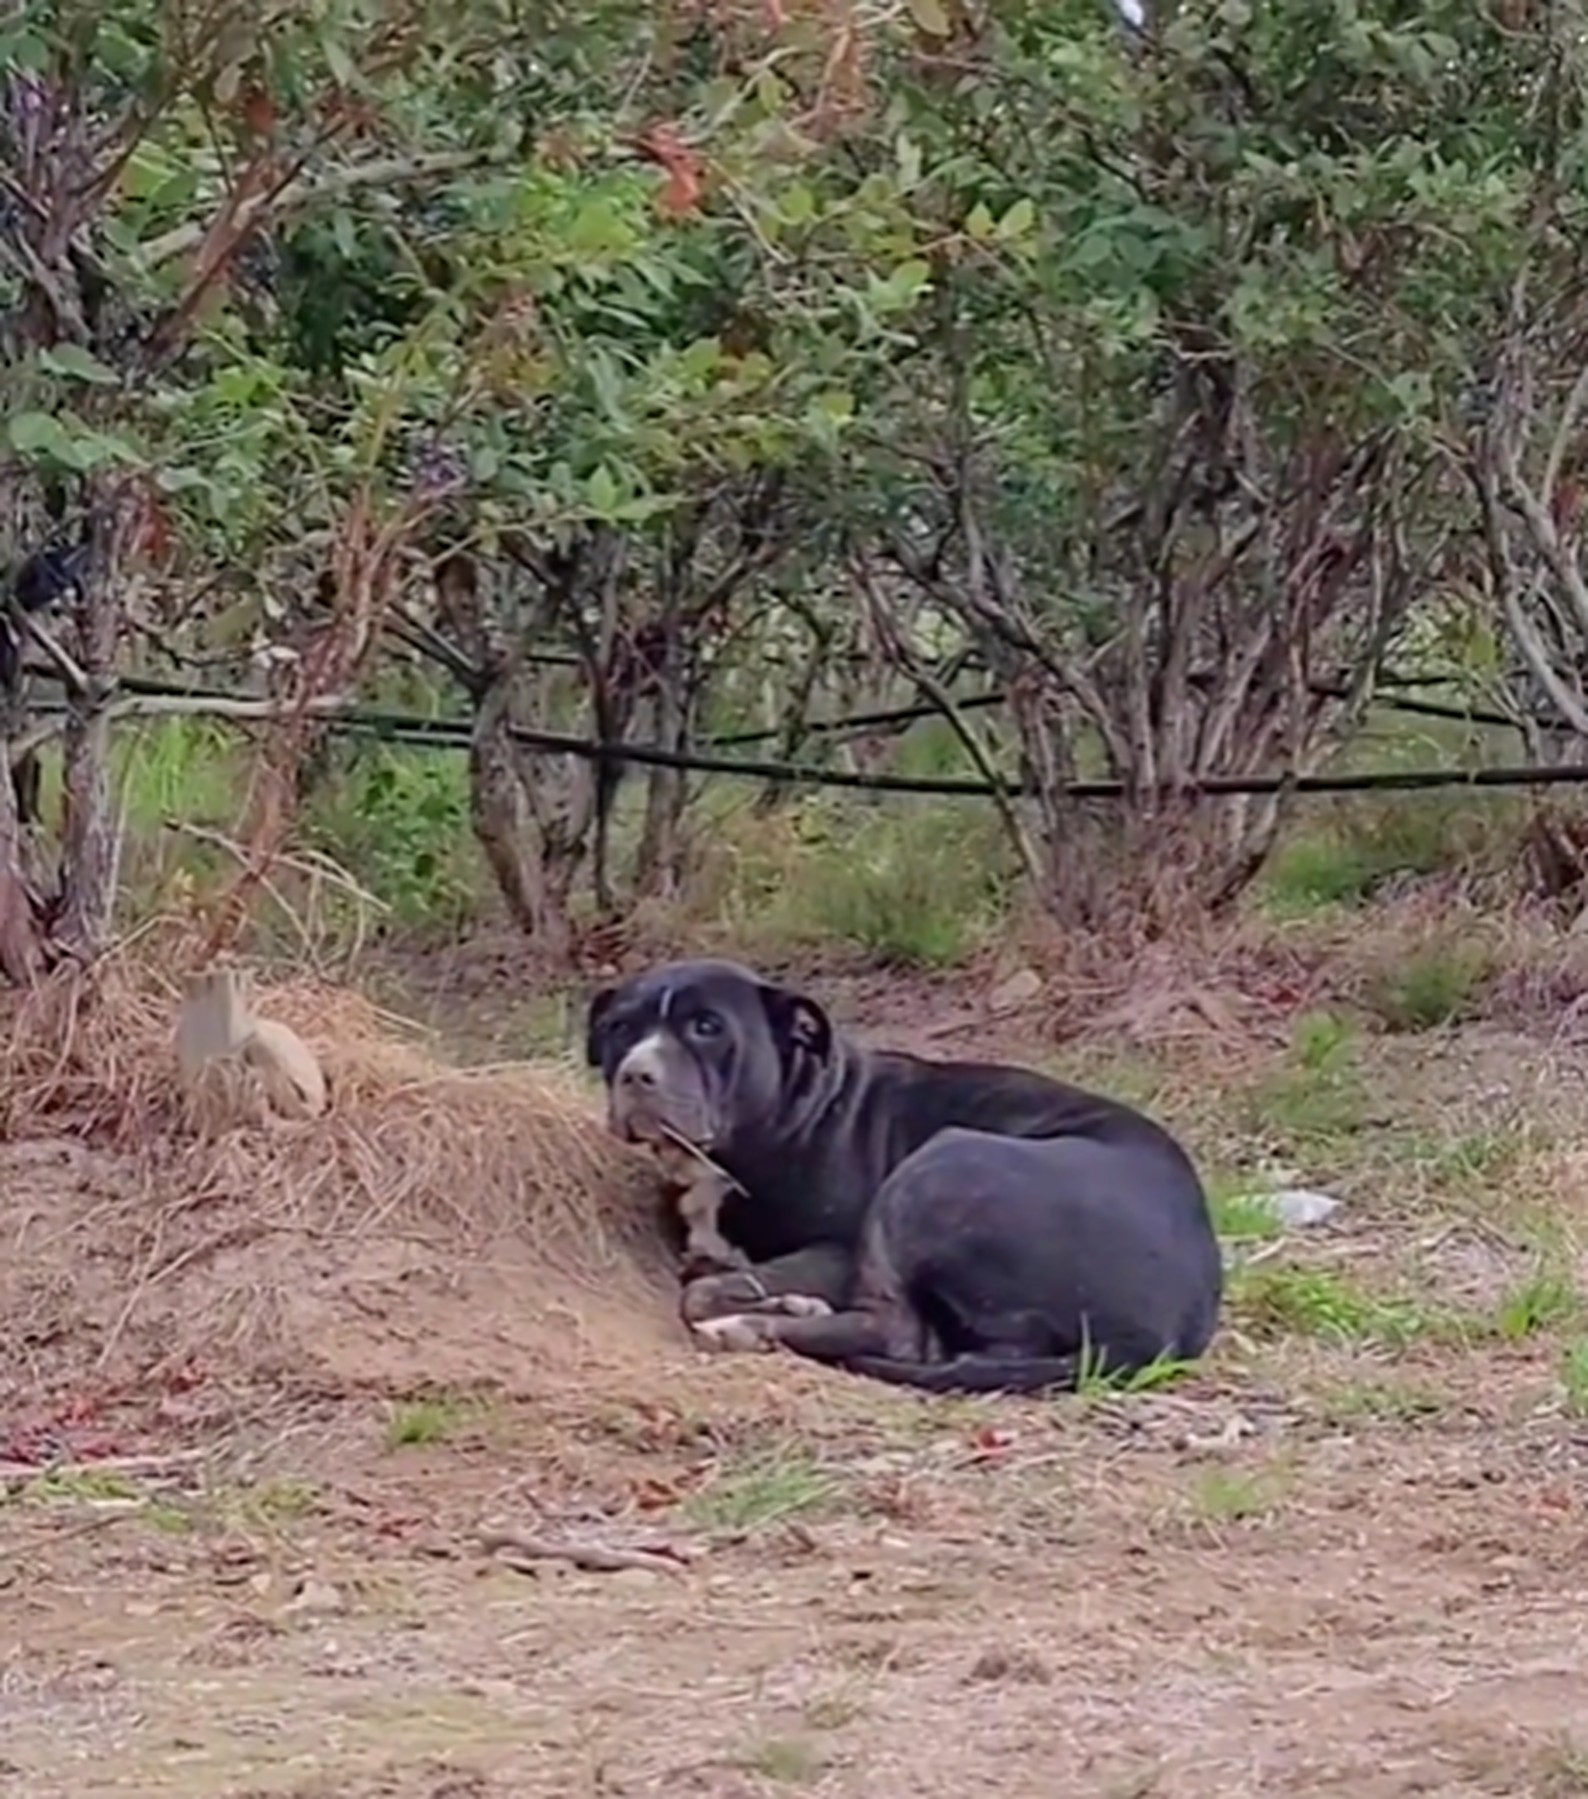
(595,1024)
(797,1023)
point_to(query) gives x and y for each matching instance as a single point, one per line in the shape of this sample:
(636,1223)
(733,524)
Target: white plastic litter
(1297,1207)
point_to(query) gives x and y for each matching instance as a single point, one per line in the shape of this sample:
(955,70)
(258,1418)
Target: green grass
(1545,1300)
(1561,1772)
(1235,1496)
(1162,1371)
(1320,1098)
(1574,1376)
(919,888)
(1276,1299)
(1473,1162)
(1381,1402)
(419,1423)
(1438,984)
(398,821)
(784,1761)
(764,1489)
(1345,853)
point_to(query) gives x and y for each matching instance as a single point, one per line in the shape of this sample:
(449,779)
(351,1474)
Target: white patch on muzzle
(648,1057)
(640,1081)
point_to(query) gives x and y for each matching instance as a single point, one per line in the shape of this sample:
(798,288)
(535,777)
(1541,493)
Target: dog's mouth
(635,1126)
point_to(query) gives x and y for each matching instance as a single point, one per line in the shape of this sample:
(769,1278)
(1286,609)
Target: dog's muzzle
(641,1110)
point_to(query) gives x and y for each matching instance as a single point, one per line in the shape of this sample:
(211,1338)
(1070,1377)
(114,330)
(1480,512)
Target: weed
(834,1711)
(763,1490)
(399,822)
(1574,1376)
(1436,985)
(785,1761)
(1323,1042)
(1384,1402)
(182,770)
(1475,1161)
(1562,1771)
(1308,1112)
(1240,1214)
(421,1422)
(1277,1298)
(1229,1496)
(284,1501)
(1095,1382)
(86,1485)
(917,888)
(1365,848)
(1544,1301)
(1322,1097)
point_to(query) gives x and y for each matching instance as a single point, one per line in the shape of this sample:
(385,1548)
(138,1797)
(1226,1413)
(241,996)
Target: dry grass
(1426,958)
(423,1186)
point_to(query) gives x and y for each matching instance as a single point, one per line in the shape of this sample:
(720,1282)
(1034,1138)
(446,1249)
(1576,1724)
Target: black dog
(956,1226)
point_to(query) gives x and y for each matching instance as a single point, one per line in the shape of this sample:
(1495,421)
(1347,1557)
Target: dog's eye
(705,1024)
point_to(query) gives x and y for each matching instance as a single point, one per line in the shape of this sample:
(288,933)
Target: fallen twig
(84,1527)
(110,1464)
(597,1558)
(680,1141)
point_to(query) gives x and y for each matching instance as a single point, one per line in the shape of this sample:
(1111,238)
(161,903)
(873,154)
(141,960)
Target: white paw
(733,1335)
(799,1305)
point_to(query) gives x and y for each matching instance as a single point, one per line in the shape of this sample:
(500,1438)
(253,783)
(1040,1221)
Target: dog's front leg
(706,1250)
(823,1337)
(823,1273)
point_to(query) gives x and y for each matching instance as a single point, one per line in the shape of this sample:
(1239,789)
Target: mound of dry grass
(437,1224)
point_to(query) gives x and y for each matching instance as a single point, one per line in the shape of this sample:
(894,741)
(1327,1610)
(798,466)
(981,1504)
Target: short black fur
(976,1227)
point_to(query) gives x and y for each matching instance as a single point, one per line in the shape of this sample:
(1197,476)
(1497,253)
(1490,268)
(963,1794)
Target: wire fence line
(416,730)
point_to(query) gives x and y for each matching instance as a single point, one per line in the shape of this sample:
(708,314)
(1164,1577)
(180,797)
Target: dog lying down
(952,1226)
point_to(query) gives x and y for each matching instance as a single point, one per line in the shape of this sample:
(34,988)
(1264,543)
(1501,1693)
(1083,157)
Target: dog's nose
(638,1080)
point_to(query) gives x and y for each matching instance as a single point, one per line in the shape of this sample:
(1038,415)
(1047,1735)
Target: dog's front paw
(736,1334)
(703,1260)
(796,1305)
(718,1295)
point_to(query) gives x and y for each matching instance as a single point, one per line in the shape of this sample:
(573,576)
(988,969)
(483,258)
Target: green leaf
(979,222)
(902,287)
(179,480)
(77,364)
(34,433)
(337,60)
(798,205)
(1018,220)
(601,491)
(931,17)
(908,152)
(344,234)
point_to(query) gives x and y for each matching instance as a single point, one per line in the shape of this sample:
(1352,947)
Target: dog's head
(706,1049)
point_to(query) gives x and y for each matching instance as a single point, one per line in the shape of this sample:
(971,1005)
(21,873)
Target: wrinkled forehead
(671,994)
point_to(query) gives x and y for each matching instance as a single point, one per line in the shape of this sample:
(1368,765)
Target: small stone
(1018,1665)
(316,1598)
(1015,990)
(634,1577)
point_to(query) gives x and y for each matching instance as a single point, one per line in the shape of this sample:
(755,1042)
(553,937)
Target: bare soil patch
(247,1447)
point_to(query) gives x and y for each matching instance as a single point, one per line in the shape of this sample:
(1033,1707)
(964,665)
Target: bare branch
(337,184)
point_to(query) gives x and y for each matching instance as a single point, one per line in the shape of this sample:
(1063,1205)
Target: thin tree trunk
(89,834)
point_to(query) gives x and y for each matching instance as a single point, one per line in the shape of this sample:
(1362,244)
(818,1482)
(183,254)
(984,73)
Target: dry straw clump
(428,1198)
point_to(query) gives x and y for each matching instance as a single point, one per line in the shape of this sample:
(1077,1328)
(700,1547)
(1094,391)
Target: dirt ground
(1348,1555)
